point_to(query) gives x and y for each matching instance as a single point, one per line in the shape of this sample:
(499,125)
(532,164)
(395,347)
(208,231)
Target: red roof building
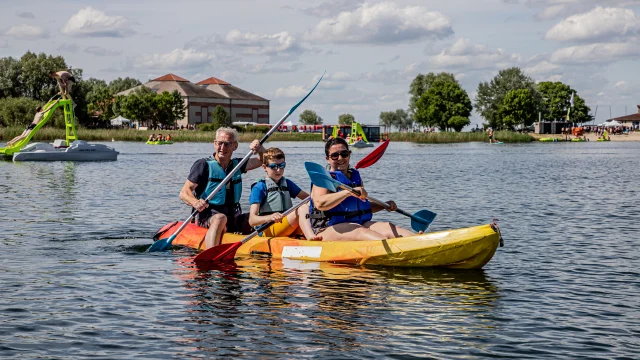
(202,98)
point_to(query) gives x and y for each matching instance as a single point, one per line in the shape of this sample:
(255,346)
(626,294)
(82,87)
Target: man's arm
(257,148)
(186,195)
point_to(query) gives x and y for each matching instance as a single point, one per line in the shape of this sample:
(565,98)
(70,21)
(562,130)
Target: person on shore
(36,120)
(65,81)
(223,212)
(341,215)
(271,196)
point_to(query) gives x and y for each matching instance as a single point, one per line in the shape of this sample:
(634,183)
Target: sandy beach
(634,136)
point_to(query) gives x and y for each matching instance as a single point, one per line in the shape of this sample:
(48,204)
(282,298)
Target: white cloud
(382,23)
(68,47)
(595,53)
(465,55)
(542,67)
(331,8)
(554,9)
(89,22)
(600,24)
(270,44)
(293,91)
(100,51)
(26,32)
(177,59)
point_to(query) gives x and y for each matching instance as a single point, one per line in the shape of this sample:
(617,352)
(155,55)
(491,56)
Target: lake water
(76,282)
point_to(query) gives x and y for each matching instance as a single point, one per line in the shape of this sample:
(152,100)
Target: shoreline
(634,136)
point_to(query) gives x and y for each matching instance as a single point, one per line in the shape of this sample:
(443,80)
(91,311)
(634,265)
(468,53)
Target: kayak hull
(159,142)
(467,248)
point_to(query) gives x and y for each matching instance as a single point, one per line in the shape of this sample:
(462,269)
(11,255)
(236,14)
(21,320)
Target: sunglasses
(344,153)
(282,165)
(223,143)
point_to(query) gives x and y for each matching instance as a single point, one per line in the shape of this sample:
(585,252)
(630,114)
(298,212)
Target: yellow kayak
(159,142)
(467,248)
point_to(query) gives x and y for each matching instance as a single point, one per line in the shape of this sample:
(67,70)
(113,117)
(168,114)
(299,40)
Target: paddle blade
(162,244)
(421,220)
(324,181)
(373,156)
(219,253)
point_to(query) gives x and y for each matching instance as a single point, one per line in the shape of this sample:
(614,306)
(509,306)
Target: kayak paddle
(420,220)
(165,244)
(226,252)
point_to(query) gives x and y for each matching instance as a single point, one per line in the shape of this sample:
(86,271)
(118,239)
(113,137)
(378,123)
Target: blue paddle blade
(324,181)
(311,166)
(162,244)
(421,220)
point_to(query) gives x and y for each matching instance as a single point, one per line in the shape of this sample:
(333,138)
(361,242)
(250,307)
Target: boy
(271,196)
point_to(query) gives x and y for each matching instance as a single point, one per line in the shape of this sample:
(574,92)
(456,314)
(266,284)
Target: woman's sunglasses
(344,153)
(282,165)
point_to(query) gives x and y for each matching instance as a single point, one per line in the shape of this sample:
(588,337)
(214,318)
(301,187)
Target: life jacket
(278,196)
(351,209)
(216,175)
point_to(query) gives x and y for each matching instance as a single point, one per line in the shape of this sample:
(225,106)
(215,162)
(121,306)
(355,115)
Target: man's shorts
(239,223)
(282,229)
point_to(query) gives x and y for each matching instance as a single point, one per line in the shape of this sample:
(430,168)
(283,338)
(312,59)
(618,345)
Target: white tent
(119,121)
(612,123)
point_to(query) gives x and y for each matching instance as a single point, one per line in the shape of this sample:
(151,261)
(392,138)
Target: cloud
(266,69)
(281,45)
(598,25)
(465,55)
(26,15)
(382,23)
(68,47)
(293,91)
(89,22)
(595,53)
(100,51)
(542,68)
(26,32)
(177,59)
(554,9)
(331,8)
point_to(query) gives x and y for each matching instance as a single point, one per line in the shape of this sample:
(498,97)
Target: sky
(370,50)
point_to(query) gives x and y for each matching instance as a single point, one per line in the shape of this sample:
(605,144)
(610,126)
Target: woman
(342,215)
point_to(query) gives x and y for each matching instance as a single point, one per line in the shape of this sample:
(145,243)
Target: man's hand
(256,147)
(277,217)
(200,205)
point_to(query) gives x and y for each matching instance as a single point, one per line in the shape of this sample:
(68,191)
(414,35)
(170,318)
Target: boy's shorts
(282,229)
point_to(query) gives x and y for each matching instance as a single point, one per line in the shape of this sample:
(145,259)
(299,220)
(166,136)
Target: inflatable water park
(356,138)
(68,149)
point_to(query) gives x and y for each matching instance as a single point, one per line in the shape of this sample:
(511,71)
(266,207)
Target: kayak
(497,142)
(548,139)
(604,140)
(467,248)
(578,140)
(159,142)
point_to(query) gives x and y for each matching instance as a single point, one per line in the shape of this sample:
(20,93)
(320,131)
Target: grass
(454,137)
(48,133)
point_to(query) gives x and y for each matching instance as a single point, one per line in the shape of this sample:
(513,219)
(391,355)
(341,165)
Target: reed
(454,137)
(48,134)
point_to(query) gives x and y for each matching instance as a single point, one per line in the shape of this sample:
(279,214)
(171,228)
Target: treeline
(509,100)
(25,84)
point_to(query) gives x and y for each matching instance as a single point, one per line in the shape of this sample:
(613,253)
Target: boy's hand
(276,217)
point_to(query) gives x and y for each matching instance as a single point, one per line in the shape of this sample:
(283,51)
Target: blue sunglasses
(276,166)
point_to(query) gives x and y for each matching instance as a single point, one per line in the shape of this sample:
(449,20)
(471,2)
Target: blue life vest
(216,175)
(278,196)
(351,209)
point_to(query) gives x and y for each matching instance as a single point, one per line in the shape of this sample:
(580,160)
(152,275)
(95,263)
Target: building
(202,98)
(632,120)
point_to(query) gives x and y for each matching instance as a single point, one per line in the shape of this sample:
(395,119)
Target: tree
(387,119)
(10,85)
(422,83)
(490,97)
(556,98)
(443,101)
(34,75)
(518,108)
(18,111)
(346,119)
(458,122)
(220,118)
(402,120)
(120,84)
(100,105)
(146,106)
(309,117)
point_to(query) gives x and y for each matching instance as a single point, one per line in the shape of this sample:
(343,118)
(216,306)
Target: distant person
(160,138)
(65,81)
(152,137)
(36,120)
(168,137)
(490,133)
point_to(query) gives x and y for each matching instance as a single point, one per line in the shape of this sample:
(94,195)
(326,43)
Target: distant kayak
(548,139)
(578,140)
(497,142)
(159,142)
(604,140)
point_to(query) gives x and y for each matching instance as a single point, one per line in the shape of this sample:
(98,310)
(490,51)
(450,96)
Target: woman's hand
(363,193)
(392,206)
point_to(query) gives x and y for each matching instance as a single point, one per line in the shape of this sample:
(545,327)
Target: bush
(205,127)
(18,111)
